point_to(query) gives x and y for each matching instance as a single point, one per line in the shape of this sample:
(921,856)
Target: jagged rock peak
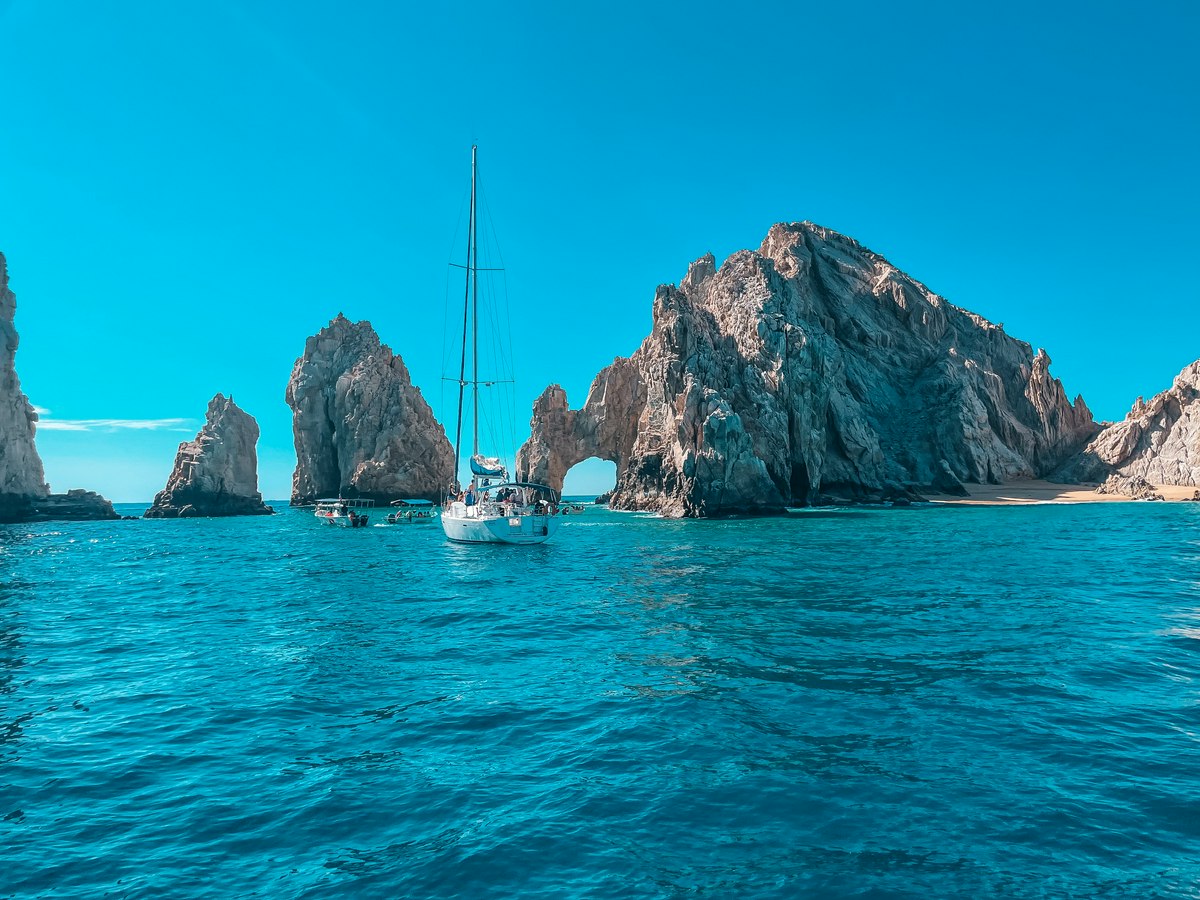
(361,427)
(21,473)
(810,367)
(1159,441)
(217,473)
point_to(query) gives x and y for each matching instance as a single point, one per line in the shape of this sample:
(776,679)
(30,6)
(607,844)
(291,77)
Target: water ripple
(929,702)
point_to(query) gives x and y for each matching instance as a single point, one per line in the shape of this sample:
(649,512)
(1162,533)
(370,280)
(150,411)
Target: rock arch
(809,367)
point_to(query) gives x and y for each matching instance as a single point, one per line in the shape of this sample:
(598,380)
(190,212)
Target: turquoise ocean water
(932,702)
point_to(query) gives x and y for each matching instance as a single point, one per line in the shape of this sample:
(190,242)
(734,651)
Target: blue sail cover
(489,466)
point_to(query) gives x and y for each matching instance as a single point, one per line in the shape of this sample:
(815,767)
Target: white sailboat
(493,509)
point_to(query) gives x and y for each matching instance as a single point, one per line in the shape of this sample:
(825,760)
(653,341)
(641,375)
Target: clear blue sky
(188,191)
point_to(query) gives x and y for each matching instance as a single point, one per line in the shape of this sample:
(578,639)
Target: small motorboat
(344,513)
(411,512)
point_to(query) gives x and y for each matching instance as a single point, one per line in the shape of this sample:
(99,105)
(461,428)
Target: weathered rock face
(21,477)
(1158,441)
(809,368)
(217,473)
(361,427)
(24,494)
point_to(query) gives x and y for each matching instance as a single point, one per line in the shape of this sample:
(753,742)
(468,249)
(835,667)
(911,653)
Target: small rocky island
(361,427)
(808,371)
(217,473)
(24,494)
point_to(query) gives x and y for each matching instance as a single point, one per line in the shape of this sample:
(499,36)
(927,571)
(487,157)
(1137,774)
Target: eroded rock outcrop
(76,505)
(24,494)
(1158,441)
(217,473)
(22,480)
(811,367)
(361,427)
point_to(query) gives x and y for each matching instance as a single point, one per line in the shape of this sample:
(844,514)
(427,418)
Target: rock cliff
(217,473)
(24,494)
(807,369)
(361,427)
(1158,441)
(21,477)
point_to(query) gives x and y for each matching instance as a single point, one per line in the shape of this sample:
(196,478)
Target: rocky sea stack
(1158,442)
(809,370)
(24,494)
(22,480)
(361,427)
(217,473)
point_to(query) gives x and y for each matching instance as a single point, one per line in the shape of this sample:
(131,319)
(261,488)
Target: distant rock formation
(75,505)
(24,494)
(22,479)
(1158,441)
(361,427)
(217,473)
(811,368)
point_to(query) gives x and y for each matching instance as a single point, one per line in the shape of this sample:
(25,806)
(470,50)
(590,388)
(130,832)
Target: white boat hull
(331,514)
(470,529)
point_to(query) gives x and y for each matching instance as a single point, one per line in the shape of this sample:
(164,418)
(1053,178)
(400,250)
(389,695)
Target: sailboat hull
(499,529)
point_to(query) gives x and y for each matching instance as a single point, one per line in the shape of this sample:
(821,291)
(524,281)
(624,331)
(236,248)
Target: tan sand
(1029,490)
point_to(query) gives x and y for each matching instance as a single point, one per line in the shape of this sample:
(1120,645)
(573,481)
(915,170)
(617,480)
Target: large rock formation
(362,428)
(811,367)
(1158,441)
(22,480)
(24,494)
(217,473)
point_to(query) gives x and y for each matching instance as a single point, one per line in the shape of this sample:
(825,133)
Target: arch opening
(588,479)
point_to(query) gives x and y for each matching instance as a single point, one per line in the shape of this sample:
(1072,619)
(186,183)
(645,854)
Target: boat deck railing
(346,504)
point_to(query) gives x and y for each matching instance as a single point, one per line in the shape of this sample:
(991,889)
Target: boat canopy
(413,502)
(525,485)
(489,466)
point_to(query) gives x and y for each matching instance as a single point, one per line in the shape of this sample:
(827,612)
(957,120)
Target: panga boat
(492,510)
(344,513)
(411,512)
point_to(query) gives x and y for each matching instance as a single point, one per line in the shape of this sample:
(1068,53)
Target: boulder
(1133,486)
(217,473)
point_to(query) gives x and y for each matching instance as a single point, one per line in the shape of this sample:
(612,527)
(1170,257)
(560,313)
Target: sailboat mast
(474,316)
(462,366)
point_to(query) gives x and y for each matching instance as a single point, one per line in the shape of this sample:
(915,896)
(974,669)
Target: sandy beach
(1031,490)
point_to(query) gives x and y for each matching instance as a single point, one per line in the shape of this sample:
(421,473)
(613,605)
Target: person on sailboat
(469,499)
